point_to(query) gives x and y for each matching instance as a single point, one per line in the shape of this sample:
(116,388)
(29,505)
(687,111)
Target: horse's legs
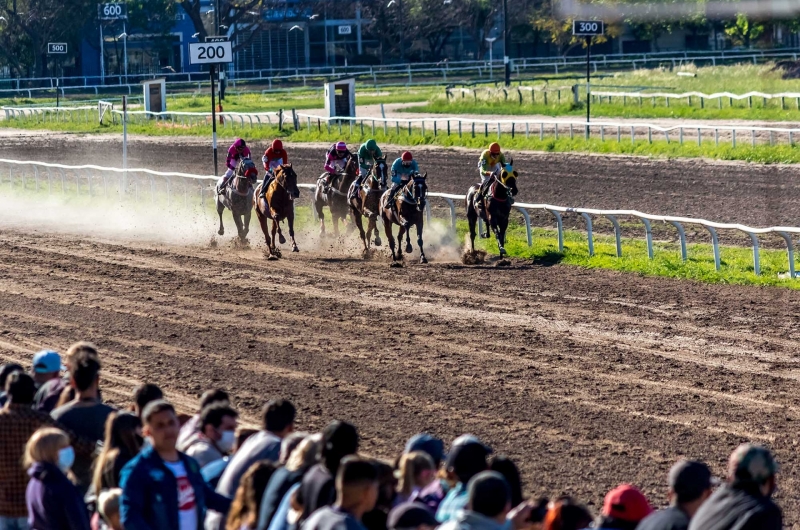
(290,219)
(318,205)
(409,248)
(372,228)
(422,258)
(281,239)
(335,224)
(358,222)
(220,209)
(472,219)
(400,233)
(387,229)
(237,219)
(262,220)
(274,229)
(501,235)
(247,216)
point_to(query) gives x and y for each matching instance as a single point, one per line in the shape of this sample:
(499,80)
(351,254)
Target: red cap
(494,148)
(277,145)
(627,503)
(407,156)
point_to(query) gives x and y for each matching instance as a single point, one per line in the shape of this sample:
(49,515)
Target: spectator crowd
(70,461)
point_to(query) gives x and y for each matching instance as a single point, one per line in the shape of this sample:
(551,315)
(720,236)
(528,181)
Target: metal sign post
(114,11)
(124,143)
(588,29)
(212,53)
(57,48)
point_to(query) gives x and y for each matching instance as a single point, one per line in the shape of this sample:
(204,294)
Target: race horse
(409,211)
(279,205)
(238,197)
(495,209)
(336,198)
(366,203)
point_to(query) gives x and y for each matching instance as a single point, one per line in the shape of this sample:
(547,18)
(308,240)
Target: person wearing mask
(489,506)
(411,516)
(162,488)
(86,415)
(416,472)
(216,436)
(623,509)
(276,504)
(744,502)
(193,424)
(566,514)
(5,372)
(123,441)
(356,494)
(277,423)
(466,459)
(144,394)
(690,484)
(53,502)
(244,509)
(49,383)
(213,471)
(318,489)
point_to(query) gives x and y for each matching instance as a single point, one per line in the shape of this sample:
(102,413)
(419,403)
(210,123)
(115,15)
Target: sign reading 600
(112,11)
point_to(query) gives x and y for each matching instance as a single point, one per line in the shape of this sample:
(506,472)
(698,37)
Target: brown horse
(409,211)
(336,198)
(367,202)
(279,205)
(495,210)
(238,197)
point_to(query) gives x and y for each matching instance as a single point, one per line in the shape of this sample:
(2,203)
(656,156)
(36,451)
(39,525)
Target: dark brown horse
(494,210)
(409,211)
(279,205)
(336,198)
(238,197)
(367,202)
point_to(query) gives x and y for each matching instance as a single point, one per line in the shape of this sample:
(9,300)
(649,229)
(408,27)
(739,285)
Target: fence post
(733,137)
(589,232)
(715,245)
(756,258)
(682,235)
(617,234)
(790,250)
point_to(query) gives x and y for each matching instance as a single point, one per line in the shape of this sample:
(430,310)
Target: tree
(744,31)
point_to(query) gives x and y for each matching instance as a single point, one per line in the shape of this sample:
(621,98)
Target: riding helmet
(341,146)
(494,148)
(372,145)
(277,145)
(407,157)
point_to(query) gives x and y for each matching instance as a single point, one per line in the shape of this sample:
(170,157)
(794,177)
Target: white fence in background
(640,96)
(128,182)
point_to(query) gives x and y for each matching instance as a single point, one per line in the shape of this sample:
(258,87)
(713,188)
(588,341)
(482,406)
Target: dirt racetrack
(586,378)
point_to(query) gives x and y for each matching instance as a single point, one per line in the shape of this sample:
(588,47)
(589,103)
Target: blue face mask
(66,457)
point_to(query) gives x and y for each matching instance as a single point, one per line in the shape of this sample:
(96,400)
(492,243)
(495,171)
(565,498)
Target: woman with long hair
(122,442)
(243,514)
(415,472)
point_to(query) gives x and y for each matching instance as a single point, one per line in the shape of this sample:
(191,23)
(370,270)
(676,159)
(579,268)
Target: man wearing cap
(466,459)
(47,376)
(690,484)
(489,506)
(744,501)
(624,508)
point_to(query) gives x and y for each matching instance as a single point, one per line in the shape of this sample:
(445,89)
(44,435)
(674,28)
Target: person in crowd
(86,415)
(193,424)
(278,418)
(690,484)
(566,514)
(162,488)
(49,383)
(466,459)
(426,443)
(434,493)
(276,502)
(510,472)
(18,422)
(108,508)
(489,506)
(213,471)
(216,436)
(376,518)
(6,371)
(53,501)
(244,509)
(339,439)
(144,394)
(623,509)
(744,502)
(356,494)
(289,444)
(416,471)
(411,516)
(123,441)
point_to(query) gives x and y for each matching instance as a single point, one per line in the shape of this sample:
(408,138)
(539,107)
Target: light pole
(506,58)
(125,49)
(491,40)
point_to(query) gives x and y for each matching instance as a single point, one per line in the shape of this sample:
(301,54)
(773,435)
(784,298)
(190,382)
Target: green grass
(760,153)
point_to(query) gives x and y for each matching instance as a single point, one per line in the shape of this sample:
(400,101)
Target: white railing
(701,97)
(204,183)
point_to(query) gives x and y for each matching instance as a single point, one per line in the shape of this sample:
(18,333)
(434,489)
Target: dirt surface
(587,379)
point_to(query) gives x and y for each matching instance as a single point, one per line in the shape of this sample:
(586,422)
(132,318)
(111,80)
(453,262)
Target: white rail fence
(92,180)
(641,96)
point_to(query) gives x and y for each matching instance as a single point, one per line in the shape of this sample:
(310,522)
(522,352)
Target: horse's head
(287,179)
(246,175)
(508,178)
(420,191)
(380,171)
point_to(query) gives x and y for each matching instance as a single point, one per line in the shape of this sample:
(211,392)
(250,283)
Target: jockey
(491,160)
(336,160)
(273,157)
(236,152)
(368,154)
(402,170)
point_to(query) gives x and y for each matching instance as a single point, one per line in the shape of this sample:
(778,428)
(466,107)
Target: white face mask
(225,443)
(66,457)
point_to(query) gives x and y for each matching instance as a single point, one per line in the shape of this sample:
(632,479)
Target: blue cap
(427,444)
(46,361)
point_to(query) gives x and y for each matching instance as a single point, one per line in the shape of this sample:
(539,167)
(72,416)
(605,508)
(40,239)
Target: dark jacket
(737,508)
(150,493)
(279,483)
(54,503)
(316,491)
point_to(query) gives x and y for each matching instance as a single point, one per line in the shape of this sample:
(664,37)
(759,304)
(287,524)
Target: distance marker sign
(587,28)
(210,52)
(56,48)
